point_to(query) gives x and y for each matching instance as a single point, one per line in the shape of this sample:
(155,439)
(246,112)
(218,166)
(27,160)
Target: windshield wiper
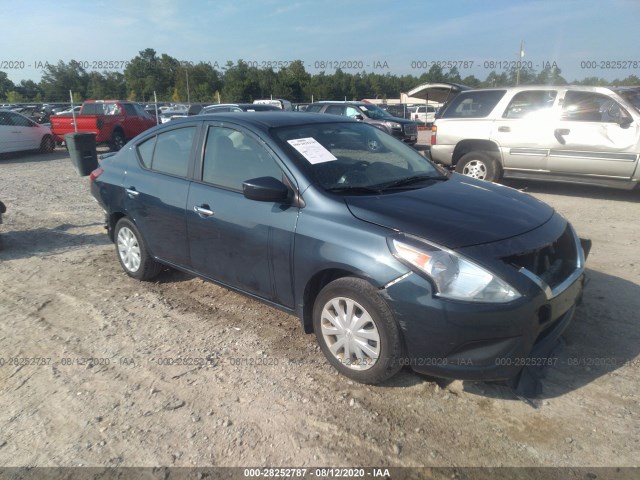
(355,189)
(405,182)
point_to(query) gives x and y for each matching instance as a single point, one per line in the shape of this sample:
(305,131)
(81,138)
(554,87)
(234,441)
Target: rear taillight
(95,174)
(434,131)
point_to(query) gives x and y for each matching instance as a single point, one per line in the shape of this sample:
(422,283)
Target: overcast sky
(382,36)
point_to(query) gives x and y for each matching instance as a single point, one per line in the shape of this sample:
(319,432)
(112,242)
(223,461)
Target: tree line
(176,81)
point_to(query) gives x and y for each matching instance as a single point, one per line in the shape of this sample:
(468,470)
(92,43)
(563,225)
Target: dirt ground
(253,390)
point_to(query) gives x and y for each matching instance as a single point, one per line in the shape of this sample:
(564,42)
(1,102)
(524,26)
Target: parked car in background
(425,114)
(71,111)
(278,102)
(402,129)
(191,109)
(389,259)
(239,107)
(114,122)
(18,133)
(559,133)
(400,110)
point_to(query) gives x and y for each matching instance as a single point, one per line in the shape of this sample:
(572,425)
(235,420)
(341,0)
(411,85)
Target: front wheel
(356,331)
(479,165)
(132,252)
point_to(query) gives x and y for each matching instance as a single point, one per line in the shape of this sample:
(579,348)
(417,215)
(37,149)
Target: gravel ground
(253,389)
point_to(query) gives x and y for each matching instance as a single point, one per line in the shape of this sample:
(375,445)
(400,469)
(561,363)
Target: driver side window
(591,107)
(232,157)
(352,112)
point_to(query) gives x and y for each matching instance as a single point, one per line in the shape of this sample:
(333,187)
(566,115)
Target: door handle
(559,132)
(132,192)
(203,210)
(504,129)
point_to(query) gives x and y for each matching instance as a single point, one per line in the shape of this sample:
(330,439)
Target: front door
(595,135)
(239,242)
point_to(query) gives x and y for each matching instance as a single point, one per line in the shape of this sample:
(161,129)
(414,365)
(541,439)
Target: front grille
(411,129)
(553,263)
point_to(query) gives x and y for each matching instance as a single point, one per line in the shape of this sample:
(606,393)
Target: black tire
(380,321)
(117,141)
(132,252)
(479,165)
(47,144)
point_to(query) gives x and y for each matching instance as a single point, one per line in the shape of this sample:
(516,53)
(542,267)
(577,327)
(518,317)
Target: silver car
(561,133)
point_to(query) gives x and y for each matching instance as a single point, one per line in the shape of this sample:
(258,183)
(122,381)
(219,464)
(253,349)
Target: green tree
(453,76)
(550,76)
(6,85)
(495,79)
(148,73)
(58,79)
(30,90)
(471,81)
(14,97)
(241,83)
(630,80)
(434,75)
(292,81)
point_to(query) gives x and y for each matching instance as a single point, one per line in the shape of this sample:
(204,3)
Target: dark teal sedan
(390,260)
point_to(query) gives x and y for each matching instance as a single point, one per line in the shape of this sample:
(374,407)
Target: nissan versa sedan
(389,260)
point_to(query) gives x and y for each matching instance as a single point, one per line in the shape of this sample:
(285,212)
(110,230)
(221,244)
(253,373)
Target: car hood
(455,213)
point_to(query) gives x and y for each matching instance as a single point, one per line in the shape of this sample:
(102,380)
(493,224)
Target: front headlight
(454,276)
(393,125)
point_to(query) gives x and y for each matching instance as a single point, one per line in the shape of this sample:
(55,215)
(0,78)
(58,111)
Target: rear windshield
(476,104)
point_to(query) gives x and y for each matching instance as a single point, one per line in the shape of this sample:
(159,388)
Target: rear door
(242,243)
(157,190)
(522,131)
(595,135)
(135,121)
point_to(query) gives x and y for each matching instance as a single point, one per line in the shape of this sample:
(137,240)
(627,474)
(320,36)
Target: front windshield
(355,157)
(376,113)
(632,96)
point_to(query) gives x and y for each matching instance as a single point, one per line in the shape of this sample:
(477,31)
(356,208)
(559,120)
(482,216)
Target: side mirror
(359,117)
(265,189)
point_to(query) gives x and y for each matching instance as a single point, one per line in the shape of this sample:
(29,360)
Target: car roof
(343,102)
(269,119)
(524,88)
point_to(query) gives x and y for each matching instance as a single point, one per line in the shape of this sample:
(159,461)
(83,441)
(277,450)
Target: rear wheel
(117,141)
(479,165)
(356,331)
(132,252)
(47,144)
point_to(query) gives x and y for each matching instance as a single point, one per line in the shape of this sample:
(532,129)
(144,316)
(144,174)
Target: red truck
(114,122)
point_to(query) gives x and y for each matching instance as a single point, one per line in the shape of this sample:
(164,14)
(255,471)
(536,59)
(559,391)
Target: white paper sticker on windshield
(313,151)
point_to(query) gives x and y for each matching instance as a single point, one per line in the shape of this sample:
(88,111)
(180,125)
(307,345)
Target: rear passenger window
(335,110)
(168,152)
(145,151)
(476,104)
(524,103)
